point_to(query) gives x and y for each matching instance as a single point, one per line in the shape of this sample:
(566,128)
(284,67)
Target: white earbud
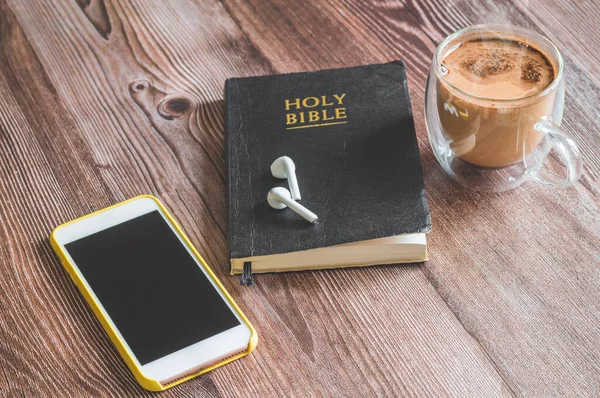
(280,198)
(284,167)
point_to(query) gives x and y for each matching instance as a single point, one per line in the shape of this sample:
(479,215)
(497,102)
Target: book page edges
(408,248)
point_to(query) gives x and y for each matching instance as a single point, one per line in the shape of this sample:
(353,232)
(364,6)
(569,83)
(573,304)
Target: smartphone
(155,296)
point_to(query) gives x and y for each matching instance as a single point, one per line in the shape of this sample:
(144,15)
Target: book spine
(247,278)
(228,143)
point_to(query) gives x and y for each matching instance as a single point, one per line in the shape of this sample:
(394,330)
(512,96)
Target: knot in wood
(139,86)
(173,107)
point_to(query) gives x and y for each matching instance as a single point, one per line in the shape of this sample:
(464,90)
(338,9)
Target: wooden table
(104,100)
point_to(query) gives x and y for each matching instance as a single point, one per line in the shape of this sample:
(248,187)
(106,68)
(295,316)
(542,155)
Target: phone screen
(156,294)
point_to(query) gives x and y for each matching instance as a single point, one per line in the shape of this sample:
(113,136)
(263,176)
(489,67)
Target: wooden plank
(104,101)
(520,269)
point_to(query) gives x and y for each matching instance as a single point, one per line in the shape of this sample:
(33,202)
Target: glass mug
(491,144)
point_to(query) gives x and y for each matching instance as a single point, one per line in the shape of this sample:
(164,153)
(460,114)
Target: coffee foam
(498,68)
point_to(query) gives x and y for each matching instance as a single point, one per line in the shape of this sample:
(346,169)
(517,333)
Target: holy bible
(351,135)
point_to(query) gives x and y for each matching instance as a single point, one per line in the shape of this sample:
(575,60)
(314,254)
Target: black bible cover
(350,133)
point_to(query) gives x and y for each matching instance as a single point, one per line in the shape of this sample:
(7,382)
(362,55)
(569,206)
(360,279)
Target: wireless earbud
(284,167)
(280,198)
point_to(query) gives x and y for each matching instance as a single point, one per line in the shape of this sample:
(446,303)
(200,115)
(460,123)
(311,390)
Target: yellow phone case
(149,384)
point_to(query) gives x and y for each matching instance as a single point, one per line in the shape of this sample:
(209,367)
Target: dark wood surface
(104,100)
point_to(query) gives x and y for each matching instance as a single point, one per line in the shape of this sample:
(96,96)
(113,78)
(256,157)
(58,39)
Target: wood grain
(101,101)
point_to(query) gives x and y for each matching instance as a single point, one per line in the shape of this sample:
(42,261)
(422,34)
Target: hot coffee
(498,68)
(493,107)
(482,74)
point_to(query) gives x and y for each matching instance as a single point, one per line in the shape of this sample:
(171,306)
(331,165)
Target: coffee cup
(494,103)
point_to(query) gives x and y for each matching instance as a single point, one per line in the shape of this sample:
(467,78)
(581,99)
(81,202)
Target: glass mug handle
(569,152)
